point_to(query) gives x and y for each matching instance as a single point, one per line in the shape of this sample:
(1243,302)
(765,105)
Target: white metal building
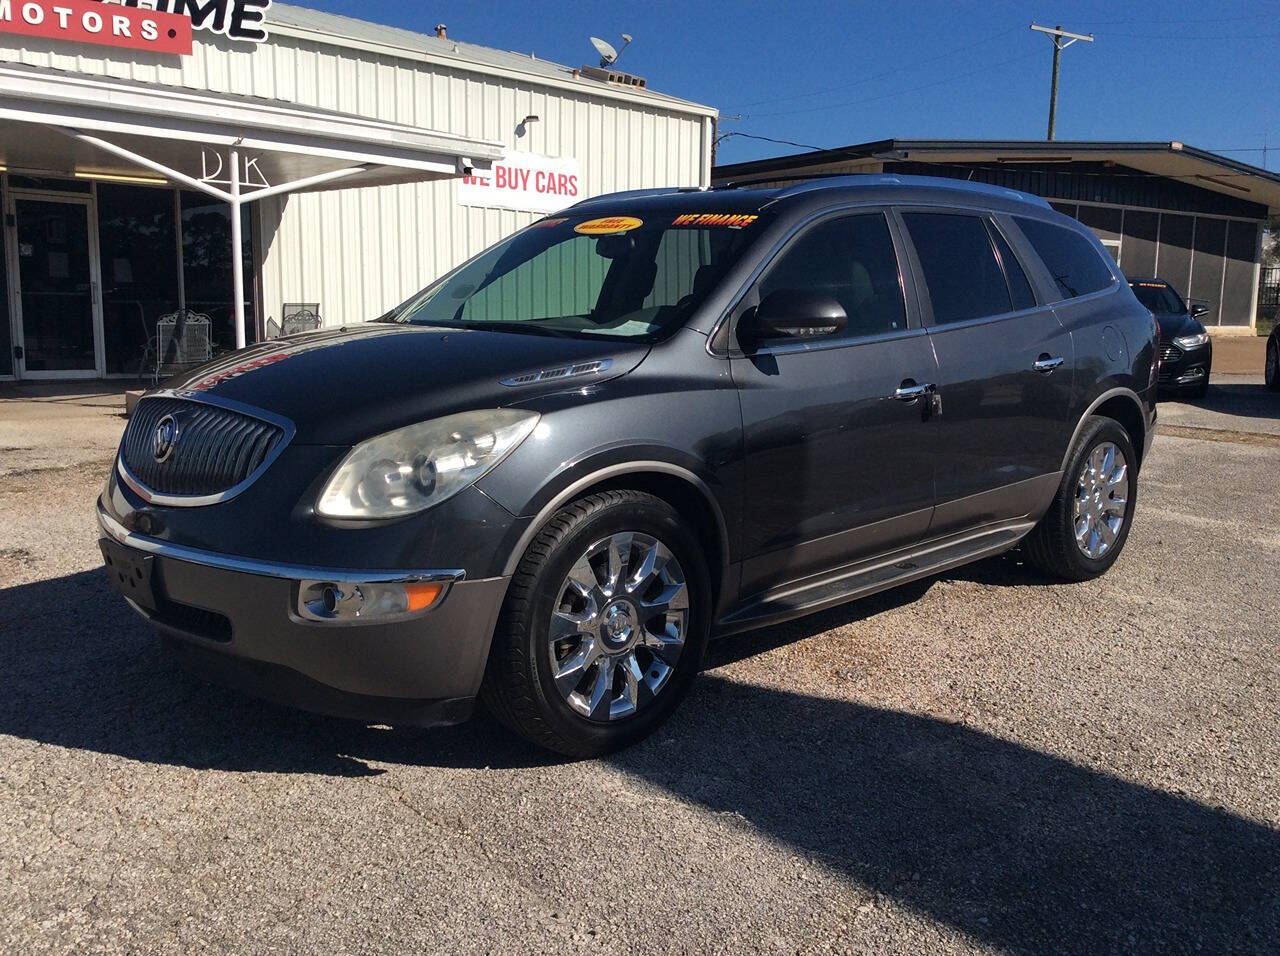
(343,143)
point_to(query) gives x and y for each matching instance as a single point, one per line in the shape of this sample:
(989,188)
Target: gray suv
(546,481)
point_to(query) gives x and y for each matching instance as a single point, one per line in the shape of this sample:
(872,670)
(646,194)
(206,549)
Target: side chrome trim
(593,367)
(1148,423)
(227,562)
(195,501)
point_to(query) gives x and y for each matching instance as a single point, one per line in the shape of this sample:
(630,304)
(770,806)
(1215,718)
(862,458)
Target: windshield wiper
(512,327)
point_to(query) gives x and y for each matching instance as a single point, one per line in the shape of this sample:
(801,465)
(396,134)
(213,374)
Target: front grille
(1170,353)
(215,449)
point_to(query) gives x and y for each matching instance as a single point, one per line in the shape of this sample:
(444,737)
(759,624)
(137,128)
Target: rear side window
(960,268)
(851,259)
(1019,287)
(1076,266)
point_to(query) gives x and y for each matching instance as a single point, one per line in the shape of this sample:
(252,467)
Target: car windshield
(1159,298)
(591,276)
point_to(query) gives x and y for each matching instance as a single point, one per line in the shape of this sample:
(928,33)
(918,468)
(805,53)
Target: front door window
(56,276)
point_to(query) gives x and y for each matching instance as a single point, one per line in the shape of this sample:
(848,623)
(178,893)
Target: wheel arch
(1122,405)
(678,486)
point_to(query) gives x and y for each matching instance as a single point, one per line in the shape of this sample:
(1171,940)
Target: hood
(341,386)
(1172,326)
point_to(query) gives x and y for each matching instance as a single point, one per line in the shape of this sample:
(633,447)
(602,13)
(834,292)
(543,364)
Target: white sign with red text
(524,181)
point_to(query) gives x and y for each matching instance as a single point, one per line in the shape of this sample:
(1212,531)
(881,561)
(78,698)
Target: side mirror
(1198,310)
(796,314)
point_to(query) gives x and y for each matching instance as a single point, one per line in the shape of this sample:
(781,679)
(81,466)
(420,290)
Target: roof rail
(866,180)
(639,193)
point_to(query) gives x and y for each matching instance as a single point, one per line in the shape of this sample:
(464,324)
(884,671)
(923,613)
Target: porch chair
(299,317)
(182,342)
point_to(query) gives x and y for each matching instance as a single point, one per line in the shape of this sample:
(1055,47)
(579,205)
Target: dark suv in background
(549,478)
(1186,351)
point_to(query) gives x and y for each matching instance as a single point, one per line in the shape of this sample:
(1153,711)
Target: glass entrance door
(58,307)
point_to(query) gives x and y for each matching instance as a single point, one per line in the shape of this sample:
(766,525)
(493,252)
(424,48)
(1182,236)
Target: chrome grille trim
(228,436)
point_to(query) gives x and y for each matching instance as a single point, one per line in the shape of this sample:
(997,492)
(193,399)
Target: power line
(768,139)
(1187,36)
(1251,16)
(884,96)
(878,76)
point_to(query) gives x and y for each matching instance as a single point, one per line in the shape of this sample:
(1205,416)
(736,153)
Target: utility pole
(1058,36)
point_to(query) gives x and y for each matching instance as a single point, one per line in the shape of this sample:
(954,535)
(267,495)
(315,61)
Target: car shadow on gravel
(1244,401)
(1016,848)
(79,669)
(1019,849)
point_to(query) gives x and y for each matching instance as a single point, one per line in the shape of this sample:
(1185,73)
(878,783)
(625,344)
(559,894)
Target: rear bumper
(234,622)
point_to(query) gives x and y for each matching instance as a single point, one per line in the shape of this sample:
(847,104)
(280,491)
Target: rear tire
(1086,526)
(1271,370)
(604,626)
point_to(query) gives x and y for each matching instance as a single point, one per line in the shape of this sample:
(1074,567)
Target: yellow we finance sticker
(608,225)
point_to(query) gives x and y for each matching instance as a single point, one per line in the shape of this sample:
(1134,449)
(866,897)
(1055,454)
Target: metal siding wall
(1207,264)
(1239,280)
(361,251)
(1141,230)
(1174,263)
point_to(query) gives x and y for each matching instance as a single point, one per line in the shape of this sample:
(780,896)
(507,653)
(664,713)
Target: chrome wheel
(618,626)
(1102,497)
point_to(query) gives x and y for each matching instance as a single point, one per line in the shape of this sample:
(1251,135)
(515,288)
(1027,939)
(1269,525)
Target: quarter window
(1076,266)
(851,259)
(960,268)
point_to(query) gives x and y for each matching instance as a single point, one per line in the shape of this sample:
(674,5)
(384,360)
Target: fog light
(350,602)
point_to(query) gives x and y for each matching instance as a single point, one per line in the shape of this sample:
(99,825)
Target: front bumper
(234,621)
(1185,368)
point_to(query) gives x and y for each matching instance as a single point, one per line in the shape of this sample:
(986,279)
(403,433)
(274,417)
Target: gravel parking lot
(982,762)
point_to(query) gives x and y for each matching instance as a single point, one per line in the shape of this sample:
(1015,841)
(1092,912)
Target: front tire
(604,626)
(1086,526)
(1271,371)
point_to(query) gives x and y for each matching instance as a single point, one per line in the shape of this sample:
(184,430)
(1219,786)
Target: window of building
(206,264)
(1076,266)
(137,244)
(1019,287)
(851,259)
(960,268)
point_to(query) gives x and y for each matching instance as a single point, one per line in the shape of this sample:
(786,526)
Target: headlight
(1192,341)
(421,465)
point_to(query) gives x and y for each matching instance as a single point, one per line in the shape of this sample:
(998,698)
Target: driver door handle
(1046,363)
(909,391)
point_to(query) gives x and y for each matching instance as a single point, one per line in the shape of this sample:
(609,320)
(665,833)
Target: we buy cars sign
(524,181)
(102,24)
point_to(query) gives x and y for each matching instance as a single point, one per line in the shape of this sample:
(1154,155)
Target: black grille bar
(216,448)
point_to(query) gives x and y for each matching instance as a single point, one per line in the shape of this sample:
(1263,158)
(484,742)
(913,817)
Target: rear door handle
(909,391)
(1047,363)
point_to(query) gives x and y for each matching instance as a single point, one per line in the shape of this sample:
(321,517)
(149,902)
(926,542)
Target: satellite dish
(607,53)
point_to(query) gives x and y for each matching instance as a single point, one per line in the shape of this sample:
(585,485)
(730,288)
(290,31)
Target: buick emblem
(165,438)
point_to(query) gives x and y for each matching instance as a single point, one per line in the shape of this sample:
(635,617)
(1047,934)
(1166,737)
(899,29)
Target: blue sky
(831,73)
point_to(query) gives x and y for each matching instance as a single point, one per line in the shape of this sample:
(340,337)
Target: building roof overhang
(182,130)
(1172,160)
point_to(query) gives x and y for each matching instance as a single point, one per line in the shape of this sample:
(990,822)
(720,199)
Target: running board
(849,583)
